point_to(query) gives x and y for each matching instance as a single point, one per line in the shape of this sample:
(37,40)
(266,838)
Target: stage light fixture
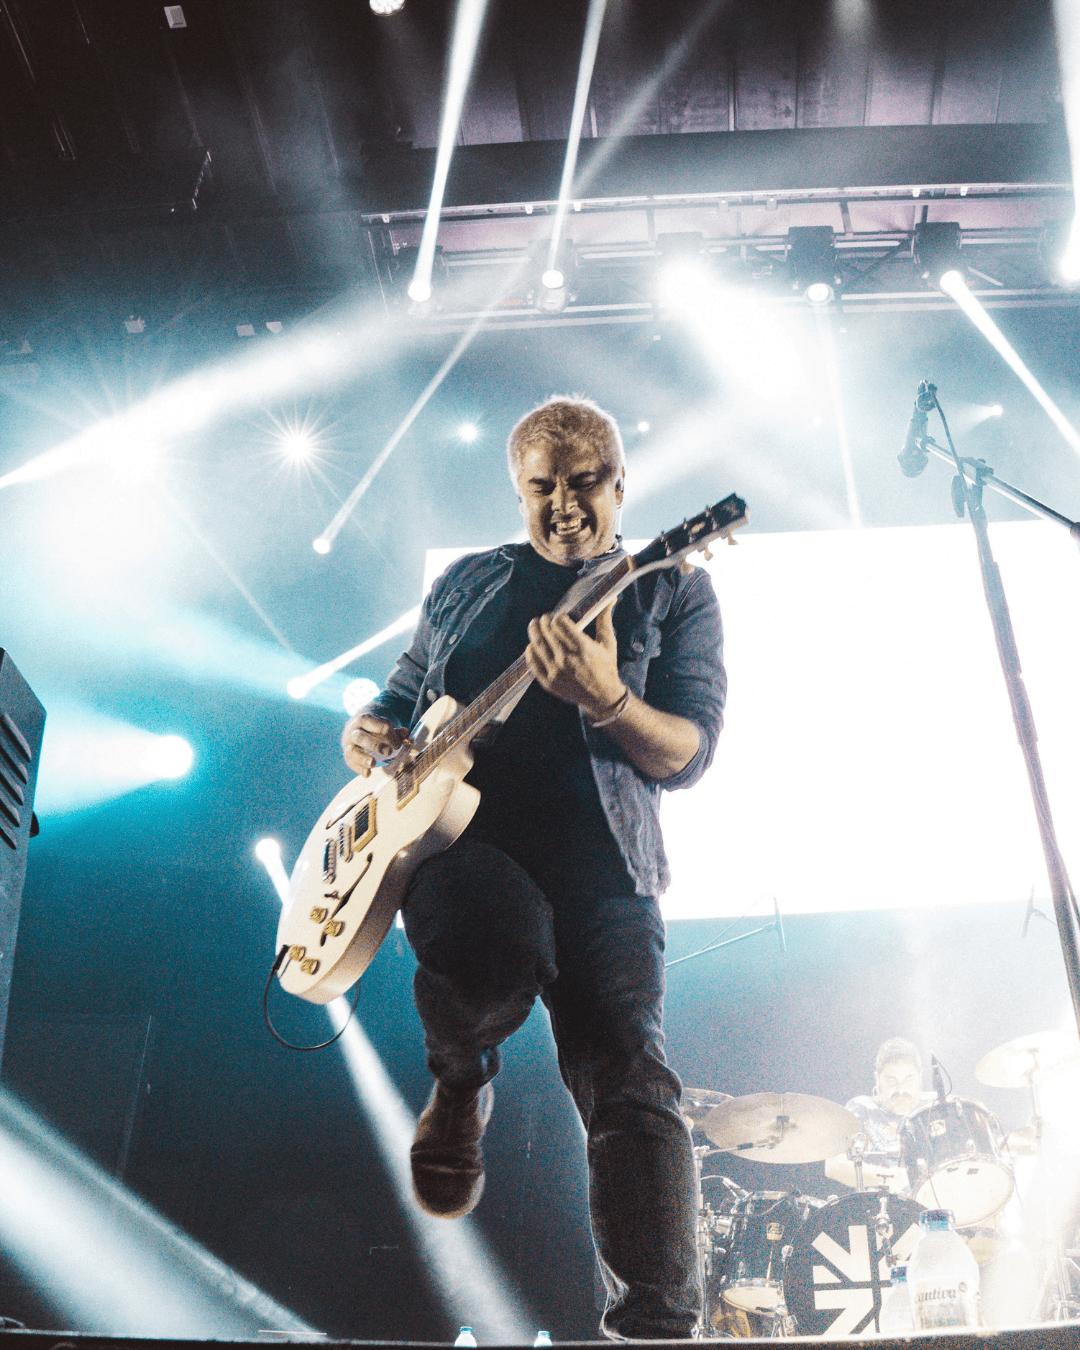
(420,284)
(643,427)
(321,545)
(297,444)
(996,410)
(383,7)
(937,250)
(682,268)
(551,278)
(468,432)
(358,694)
(811,256)
(135,324)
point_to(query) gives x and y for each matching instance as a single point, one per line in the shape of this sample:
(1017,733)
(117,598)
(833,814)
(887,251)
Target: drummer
(898,1090)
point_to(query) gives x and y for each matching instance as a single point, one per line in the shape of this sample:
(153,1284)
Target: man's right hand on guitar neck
(368,740)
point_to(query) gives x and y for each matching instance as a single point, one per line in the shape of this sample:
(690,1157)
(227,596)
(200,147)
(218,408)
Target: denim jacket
(670,654)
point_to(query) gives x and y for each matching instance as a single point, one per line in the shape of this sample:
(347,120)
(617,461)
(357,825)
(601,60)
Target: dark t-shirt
(538,802)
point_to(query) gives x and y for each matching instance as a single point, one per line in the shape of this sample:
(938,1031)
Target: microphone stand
(972,475)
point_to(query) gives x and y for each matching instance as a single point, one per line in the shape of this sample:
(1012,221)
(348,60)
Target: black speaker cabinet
(22,723)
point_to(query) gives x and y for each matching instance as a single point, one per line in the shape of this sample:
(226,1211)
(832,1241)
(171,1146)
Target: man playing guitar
(552,890)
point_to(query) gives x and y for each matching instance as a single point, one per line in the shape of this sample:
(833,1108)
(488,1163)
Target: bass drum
(952,1151)
(834,1277)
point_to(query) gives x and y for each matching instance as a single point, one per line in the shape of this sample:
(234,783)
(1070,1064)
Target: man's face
(569,497)
(899,1087)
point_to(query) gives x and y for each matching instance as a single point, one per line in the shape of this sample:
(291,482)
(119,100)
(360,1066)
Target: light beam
(594,21)
(472,1285)
(952,283)
(832,370)
(325,540)
(1067,22)
(109,1263)
(466,39)
(301,685)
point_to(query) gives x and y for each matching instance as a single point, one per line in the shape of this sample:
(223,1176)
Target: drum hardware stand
(972,476)
(784,1323)
(883,1225)
(856,1152)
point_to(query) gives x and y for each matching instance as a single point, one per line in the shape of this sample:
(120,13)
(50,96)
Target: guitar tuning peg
(706,553)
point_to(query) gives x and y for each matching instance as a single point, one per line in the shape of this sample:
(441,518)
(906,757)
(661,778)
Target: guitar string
(463,722)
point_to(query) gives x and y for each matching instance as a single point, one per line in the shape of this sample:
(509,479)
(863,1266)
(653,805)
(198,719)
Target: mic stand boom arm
(972,475)
(978,474)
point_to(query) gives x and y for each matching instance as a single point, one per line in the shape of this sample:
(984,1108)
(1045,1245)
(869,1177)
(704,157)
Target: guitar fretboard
(466,723)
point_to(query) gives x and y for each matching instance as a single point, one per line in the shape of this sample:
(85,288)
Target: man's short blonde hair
(568,420)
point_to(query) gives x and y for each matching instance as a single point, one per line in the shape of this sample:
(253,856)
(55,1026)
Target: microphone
(913,457)
(778,924)
(939,1081)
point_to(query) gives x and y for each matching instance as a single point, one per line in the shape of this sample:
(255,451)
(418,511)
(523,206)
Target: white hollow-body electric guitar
(350,878)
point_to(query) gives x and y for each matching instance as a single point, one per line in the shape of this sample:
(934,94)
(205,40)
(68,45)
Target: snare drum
(760,1226)
(952,1150)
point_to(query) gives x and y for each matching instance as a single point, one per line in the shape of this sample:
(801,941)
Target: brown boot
(447,1162)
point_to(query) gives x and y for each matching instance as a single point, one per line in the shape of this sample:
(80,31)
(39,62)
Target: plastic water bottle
(943,1276)
(895,1319)
(465,1337)
(542,1338)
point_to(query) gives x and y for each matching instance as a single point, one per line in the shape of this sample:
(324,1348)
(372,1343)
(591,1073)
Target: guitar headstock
(719,521)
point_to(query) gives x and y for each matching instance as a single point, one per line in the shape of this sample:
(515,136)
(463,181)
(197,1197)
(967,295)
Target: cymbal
(696,1101)
(786,1127)
(1023,1143)
(1018,1062)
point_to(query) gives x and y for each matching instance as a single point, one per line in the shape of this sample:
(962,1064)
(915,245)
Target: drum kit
(776,1263)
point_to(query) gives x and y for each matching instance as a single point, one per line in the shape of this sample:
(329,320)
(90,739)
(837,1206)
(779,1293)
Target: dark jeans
(489,942)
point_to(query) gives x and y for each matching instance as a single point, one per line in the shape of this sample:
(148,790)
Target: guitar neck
(510,685)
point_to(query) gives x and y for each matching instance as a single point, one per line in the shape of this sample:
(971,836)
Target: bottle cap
(937,1218)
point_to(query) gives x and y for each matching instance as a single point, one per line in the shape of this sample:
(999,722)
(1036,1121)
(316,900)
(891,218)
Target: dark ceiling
(250,152)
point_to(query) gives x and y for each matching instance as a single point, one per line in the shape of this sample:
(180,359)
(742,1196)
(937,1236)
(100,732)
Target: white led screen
(869,758)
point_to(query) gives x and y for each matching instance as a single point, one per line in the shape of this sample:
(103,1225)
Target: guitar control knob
(318,914)
(297,953)
(334,928)
(310,966)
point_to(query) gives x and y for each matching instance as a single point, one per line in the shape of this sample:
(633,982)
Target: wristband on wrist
(616,712)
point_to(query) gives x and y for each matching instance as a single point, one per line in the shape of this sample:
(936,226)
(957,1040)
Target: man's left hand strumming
(585,671)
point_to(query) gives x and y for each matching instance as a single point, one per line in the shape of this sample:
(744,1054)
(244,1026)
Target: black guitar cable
(274,1031)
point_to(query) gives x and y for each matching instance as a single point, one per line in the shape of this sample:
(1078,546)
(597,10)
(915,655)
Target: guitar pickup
(329,864)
